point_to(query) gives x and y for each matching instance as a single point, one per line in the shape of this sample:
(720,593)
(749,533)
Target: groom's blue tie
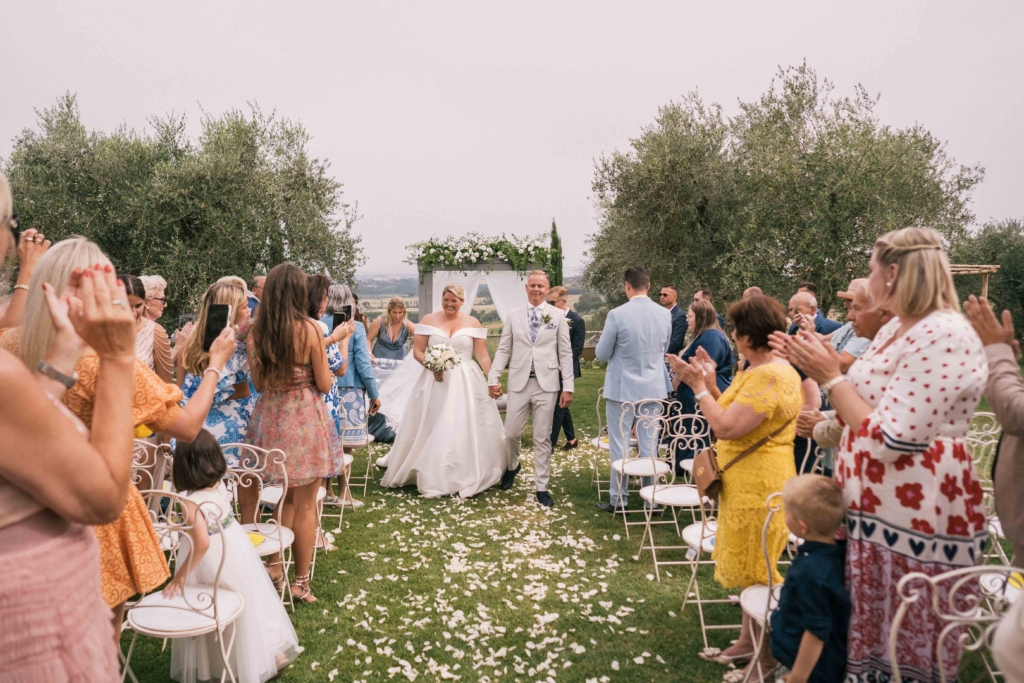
(534,325)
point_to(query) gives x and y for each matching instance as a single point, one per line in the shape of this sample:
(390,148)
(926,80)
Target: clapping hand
(707,362)
(31,246)
(98,310)
(805,422)
(807,351)
(690,373)
(987,326)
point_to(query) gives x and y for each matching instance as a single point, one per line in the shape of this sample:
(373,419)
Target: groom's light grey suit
(534,368)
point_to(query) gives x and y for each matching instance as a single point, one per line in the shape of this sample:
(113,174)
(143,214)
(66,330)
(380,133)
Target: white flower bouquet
(440,358)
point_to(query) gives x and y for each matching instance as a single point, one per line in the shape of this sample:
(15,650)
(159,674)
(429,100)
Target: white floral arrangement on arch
(460,253)
(440,358)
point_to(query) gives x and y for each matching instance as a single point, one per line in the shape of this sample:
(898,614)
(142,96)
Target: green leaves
(237,201)
(456,253)
(797,186)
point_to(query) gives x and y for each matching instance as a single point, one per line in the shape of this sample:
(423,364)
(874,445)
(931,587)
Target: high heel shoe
(279,582)
(302,583)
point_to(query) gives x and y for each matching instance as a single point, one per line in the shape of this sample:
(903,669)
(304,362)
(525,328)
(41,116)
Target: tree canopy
(796,186)
(997,243)
(242,198)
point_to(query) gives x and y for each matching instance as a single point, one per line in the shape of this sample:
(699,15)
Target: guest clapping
(1005,393)
(55,477)
(31,245)
(914,502)
(759,411)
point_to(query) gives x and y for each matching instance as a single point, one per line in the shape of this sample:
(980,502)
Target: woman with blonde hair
(130,555)
(913,498)
(233,401)
(156,296)
(450,438)
(389,332)
(55,479)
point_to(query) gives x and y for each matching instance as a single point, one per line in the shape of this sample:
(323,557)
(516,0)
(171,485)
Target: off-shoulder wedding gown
(450,437)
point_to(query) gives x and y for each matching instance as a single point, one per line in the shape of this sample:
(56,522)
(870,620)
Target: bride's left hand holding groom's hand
(494,391)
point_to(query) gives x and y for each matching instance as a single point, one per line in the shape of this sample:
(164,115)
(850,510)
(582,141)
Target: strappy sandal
(280,582)
(302,583)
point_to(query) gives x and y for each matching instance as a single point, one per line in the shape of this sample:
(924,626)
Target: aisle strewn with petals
(491,588)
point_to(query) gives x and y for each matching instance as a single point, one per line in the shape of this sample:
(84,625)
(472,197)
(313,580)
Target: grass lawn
(495,588)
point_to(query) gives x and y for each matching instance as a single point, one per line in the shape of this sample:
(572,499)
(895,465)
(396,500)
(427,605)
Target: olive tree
(243,197)
(796,186)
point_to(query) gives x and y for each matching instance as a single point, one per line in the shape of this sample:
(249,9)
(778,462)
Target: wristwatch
(56,375)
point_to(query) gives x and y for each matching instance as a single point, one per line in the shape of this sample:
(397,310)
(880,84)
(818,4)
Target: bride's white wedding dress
(450,436)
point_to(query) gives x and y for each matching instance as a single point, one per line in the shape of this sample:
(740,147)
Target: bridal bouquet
(440,358)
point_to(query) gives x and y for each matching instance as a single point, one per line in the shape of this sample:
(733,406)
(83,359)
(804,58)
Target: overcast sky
(446,117)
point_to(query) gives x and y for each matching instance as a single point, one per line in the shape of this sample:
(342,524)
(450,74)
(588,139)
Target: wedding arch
(502,262)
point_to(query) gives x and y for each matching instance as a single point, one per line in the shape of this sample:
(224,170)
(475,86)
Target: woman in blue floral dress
(233,403)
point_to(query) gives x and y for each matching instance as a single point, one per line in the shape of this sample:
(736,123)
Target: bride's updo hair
(455,289)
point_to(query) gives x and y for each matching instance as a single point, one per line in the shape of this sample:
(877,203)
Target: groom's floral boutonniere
(546,318)
(568,322)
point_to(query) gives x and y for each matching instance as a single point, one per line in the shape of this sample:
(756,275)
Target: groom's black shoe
(508,479)
(608,507)
(544,498)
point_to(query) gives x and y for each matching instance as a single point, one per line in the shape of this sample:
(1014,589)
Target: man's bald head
(752,291)
(803,302)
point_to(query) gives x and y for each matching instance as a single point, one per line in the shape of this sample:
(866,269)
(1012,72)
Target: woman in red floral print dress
(914,503)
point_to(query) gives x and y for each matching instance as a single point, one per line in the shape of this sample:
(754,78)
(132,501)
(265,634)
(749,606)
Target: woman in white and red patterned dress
(913,499)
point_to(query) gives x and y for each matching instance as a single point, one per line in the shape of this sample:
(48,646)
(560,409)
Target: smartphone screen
(344,316)
(217,318)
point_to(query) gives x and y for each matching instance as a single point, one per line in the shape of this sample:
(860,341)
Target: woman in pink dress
(914,503)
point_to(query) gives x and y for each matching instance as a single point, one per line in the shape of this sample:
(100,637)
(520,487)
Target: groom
(536,339)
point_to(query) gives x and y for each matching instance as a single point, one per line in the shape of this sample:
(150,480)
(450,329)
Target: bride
(449,433)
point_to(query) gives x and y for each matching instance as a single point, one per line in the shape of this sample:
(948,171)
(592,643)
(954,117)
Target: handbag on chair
(707,474)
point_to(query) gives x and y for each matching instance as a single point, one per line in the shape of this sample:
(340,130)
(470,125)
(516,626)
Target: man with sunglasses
(668,297)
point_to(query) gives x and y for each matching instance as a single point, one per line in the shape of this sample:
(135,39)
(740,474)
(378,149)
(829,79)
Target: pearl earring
(888,284)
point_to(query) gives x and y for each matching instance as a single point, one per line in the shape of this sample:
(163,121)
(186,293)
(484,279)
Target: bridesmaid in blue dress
(708,335)
(233,403)
(389,332)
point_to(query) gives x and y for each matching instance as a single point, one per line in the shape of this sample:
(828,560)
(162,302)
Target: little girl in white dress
(265,640)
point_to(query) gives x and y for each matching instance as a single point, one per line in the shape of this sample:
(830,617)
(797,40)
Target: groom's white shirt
(548,357)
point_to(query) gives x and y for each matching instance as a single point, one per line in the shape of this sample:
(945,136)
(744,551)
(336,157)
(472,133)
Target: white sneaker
(354,504)
(382,462)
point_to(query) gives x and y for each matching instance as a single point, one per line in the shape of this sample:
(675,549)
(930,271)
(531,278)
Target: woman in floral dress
(290,370)
(233,402)
(913,498)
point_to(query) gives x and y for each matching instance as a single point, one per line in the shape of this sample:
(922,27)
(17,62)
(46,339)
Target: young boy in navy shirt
(809,627)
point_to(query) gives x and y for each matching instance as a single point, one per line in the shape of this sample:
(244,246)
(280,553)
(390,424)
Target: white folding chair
(363,442)
(760,600)
(689,432)
(150,464)
(633,467)
(201,609)
(600,443)
(968,602)
(251,473)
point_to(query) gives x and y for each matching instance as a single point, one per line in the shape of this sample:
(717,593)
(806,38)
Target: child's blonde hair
(816,500)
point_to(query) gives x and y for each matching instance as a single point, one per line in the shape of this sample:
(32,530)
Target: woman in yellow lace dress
(763,401)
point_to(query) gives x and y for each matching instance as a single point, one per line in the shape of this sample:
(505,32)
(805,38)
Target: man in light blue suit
(634,341)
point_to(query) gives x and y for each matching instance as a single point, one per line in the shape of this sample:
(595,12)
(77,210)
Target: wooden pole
(984,285)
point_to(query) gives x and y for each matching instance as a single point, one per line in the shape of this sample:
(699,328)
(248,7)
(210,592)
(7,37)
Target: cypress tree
(555,269)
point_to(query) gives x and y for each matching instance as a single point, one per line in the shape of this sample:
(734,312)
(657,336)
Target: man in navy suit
(804,305)
(669,296)
(559,298)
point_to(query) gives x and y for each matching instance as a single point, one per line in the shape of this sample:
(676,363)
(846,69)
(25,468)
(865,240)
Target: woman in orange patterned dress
(131,559)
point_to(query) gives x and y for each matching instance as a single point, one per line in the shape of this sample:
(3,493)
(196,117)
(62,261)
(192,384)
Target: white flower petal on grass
(615,665)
